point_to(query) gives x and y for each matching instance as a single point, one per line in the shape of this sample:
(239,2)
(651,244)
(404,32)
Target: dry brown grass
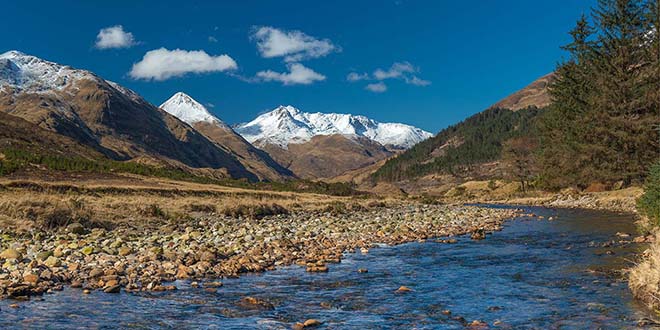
(644,278)
(50,205)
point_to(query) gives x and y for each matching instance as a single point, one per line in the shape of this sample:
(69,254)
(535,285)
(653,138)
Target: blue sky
(455,58)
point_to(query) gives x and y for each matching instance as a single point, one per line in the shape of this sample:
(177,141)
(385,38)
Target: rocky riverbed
(147,257)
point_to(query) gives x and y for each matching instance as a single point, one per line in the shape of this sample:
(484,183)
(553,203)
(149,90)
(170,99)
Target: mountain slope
(461,149)
(196,115)
(286,125)
(473,146)
(327,156)
(535,94)
(105,116)
(18,133)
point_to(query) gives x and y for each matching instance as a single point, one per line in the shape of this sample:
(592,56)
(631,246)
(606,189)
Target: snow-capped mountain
(26,72)
(105,116)
(286,125)
(188,110)
(184,107)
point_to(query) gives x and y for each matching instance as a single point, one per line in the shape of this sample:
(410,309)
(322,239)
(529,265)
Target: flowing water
(532,275)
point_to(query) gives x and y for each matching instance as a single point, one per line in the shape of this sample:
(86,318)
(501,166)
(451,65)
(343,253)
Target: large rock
(10,254)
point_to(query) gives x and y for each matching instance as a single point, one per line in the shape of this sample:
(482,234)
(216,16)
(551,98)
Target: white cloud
(397,70)
(298,75)
(213,39)
(293,45)
(354,76)
(417,81)
(378,87)
(114,37)
(162,64)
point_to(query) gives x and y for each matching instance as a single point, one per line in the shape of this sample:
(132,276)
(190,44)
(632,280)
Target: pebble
(402,289)
(218,246)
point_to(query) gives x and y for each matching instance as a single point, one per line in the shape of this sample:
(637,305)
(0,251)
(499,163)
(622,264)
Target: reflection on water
(560,274)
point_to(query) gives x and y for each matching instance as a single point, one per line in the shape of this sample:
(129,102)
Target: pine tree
(600,126)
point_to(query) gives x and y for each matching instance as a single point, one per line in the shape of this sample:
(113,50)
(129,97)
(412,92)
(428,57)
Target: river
(534,274)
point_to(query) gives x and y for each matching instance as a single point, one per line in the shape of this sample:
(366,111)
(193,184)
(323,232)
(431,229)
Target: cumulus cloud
(417,81)
(293,45)
(162,64)
(397,70)
(114,37)
(213,39)
(378,87)
(354,76)
(298,75)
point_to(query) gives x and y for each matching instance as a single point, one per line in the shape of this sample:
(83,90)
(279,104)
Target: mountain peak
(26,72)
(286,124)
(188,110)
(12,53)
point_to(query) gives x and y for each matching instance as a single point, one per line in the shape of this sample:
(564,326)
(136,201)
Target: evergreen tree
(601,124)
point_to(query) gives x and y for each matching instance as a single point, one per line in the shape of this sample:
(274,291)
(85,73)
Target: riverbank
(141,240)
(533,274)
(623,200)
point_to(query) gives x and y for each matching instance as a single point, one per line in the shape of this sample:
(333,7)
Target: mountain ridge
(105,116)
(193,113)
(286,124)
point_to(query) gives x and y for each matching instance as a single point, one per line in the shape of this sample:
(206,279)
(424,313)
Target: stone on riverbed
(10,254)
(52,262)
(403,289)
(255,303)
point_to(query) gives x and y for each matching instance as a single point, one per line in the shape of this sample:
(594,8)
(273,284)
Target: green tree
(518,158)
(600,126)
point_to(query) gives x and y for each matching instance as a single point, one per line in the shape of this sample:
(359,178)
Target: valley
(422,173)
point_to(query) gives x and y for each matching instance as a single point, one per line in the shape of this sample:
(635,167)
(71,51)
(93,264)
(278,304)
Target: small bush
(429,200)
(204,208)
(153,210)
(492,185)
(376,204)
(55,218)
(254,211)
(649,203)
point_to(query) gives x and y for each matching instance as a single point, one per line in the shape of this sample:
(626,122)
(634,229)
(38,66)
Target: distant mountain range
(107,120)
(286,125)
(106,117)
(196,115)
(324,145)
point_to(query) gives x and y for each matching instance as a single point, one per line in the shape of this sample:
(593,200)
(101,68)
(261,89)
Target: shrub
(254,211)
(430,200)
(204,208)
(55,218)
(153,210)
(492,185)
(649,203)
(376,204)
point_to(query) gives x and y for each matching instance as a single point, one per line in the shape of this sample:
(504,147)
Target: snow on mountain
(30,73)
(184,107)
(286,125)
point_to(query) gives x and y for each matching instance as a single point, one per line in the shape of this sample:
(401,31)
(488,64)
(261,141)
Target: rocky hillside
(105,116)
(535,94)
(327,156)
